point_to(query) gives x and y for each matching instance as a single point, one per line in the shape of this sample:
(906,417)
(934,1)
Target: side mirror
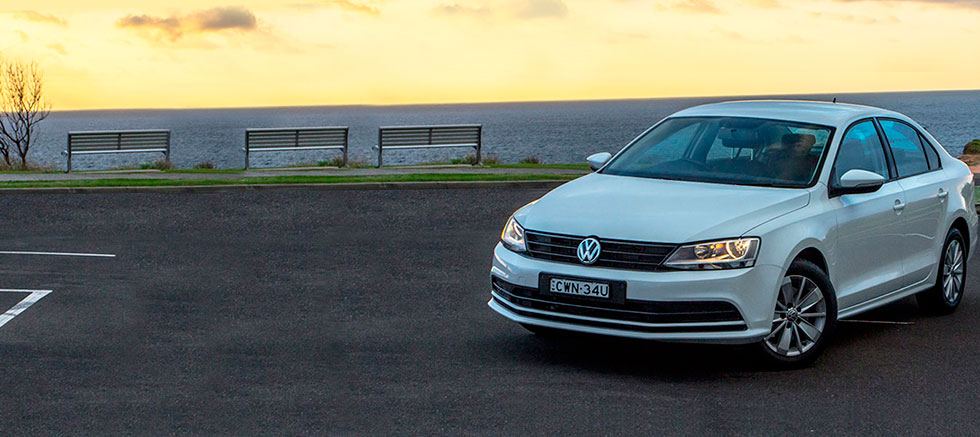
(859,181)
(598,160)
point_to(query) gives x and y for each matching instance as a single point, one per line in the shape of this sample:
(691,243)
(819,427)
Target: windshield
(727,150)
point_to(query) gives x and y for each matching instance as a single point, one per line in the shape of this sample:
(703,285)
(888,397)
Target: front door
(869,226)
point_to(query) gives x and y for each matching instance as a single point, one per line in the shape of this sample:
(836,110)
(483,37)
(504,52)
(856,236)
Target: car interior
(733,150)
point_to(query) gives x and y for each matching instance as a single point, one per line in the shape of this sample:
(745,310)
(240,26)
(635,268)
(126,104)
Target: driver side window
(860,149)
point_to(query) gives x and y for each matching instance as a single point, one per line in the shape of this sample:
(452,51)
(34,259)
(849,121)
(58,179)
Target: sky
(101,54)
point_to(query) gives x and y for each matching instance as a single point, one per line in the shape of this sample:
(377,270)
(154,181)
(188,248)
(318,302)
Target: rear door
(926,194)
(870,225)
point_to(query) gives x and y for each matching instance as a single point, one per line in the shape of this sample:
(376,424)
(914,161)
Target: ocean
(554,132)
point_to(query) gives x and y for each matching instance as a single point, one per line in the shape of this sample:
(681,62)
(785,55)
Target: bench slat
(429,137)
(123,141)
(103,152)
(296,138)
(430,146)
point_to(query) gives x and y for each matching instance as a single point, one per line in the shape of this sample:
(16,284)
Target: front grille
(631,310)
(617,254)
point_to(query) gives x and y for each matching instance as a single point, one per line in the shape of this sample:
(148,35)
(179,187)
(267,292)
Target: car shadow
(690,361)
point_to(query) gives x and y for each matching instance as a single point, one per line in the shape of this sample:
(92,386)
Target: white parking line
(97,255)
(879,322)
(31,299)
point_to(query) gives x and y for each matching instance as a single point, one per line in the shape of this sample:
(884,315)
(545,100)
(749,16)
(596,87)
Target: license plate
(579,288)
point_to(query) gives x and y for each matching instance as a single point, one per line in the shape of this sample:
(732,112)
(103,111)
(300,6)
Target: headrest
(806,140)
(739,138)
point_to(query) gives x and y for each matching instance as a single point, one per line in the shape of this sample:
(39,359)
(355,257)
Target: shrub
(354,164)
(530,159)
(490,159)
(159,164)
(471,159)
(204,165)
(468,159)
(30,166)
(337,161)
(972,148)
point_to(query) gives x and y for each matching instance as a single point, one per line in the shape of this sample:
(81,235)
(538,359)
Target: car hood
(657,210)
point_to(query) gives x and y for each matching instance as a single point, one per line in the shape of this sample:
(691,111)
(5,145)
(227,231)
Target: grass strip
(583,166)
(269,180)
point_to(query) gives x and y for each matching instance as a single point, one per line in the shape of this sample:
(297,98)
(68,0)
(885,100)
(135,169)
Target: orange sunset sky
(183,53)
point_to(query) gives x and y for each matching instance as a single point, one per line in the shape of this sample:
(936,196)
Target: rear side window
(860,150)
(931,155)
(906,148)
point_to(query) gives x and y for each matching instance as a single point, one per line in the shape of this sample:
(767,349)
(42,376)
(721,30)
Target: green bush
(31,166)
(204,165)
(469,159)
(972,148)
(488,159)
(159,164)
(530,159)
(337,161)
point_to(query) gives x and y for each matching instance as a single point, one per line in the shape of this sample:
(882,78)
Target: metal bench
(429,137)
(125,141)
(296,138)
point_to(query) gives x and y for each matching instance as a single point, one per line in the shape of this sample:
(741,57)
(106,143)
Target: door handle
(943,194)
(899,206)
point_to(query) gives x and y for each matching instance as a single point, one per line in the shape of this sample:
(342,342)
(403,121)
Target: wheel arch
(815,256)
(960,224)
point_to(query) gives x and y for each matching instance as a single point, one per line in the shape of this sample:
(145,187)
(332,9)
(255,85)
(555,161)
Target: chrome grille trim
(617,254)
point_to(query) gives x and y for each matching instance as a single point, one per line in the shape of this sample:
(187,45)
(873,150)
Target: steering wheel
(697,165)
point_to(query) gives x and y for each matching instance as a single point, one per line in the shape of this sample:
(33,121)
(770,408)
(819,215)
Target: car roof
(824,113)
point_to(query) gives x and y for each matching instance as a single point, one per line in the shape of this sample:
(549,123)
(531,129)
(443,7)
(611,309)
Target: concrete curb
(542,184)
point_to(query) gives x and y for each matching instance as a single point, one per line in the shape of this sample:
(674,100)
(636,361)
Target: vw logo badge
(589,250)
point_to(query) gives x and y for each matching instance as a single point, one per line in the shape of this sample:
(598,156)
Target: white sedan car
(744,222)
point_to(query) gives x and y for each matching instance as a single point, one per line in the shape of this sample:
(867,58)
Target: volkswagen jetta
(744,222)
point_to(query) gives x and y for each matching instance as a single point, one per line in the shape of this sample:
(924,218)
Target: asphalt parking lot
(364,313)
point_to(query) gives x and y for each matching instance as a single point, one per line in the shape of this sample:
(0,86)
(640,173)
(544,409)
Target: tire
(806,307)
(945,296)
(542,331)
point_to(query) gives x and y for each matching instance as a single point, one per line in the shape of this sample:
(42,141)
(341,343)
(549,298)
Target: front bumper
(752,292)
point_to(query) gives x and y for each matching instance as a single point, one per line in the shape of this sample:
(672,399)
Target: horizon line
(497,102)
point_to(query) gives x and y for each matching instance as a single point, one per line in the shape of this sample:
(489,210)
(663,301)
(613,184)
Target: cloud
(542,9)
(60,49)
(458,9)
(695,6)
(859,19)
(766,4)
(729,34)
(226,18)
(519,9)
(23,36)
(176,27)
(972,4)
(38,17)
(360,7)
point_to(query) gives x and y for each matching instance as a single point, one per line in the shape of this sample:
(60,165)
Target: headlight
(714,255)
(513,236)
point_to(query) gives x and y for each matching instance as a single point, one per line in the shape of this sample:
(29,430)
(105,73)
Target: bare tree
(22,108)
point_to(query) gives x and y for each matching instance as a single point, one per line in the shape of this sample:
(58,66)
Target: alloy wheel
(800,317)
(953,271)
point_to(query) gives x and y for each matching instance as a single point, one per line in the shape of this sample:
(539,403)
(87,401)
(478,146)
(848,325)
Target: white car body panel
(587,205)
